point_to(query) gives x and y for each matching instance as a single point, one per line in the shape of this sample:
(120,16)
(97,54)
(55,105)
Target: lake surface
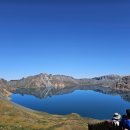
(87,103)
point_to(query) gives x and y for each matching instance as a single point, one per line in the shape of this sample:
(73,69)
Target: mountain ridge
(47,82)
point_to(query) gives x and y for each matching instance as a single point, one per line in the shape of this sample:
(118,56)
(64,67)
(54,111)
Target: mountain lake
(87,103)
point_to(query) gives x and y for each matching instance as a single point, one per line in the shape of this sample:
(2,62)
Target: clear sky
(80,38)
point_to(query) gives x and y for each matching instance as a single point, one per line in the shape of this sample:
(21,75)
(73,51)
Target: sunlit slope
(14,117)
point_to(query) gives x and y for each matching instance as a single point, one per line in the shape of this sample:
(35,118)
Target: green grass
(13,117)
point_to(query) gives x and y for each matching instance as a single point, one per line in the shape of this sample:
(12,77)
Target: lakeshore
(14,116)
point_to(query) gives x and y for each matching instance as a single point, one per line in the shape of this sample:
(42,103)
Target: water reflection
(87,103)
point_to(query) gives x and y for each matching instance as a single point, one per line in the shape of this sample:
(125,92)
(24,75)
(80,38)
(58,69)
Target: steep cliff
(5,88)
(123,83)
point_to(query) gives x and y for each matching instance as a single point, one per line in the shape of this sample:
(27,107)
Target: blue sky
(77,38)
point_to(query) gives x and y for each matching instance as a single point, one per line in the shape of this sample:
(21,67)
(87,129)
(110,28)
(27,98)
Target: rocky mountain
(44,80)
(62,81)
(43,85)
(3,84)
(123,83)
(5,88)
(104,81)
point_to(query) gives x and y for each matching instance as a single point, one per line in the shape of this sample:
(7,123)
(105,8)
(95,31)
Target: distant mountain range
(62,81)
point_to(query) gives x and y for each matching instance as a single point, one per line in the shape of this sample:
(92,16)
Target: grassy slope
(13,117)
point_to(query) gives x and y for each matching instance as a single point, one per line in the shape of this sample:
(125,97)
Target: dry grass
(13,117)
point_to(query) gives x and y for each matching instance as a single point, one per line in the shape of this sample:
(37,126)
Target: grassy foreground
(13,117)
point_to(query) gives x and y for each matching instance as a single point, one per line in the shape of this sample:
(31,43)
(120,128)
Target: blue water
(87,103)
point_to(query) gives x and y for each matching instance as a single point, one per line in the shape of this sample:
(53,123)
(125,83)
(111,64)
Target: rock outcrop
(124,83)
(5,88)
